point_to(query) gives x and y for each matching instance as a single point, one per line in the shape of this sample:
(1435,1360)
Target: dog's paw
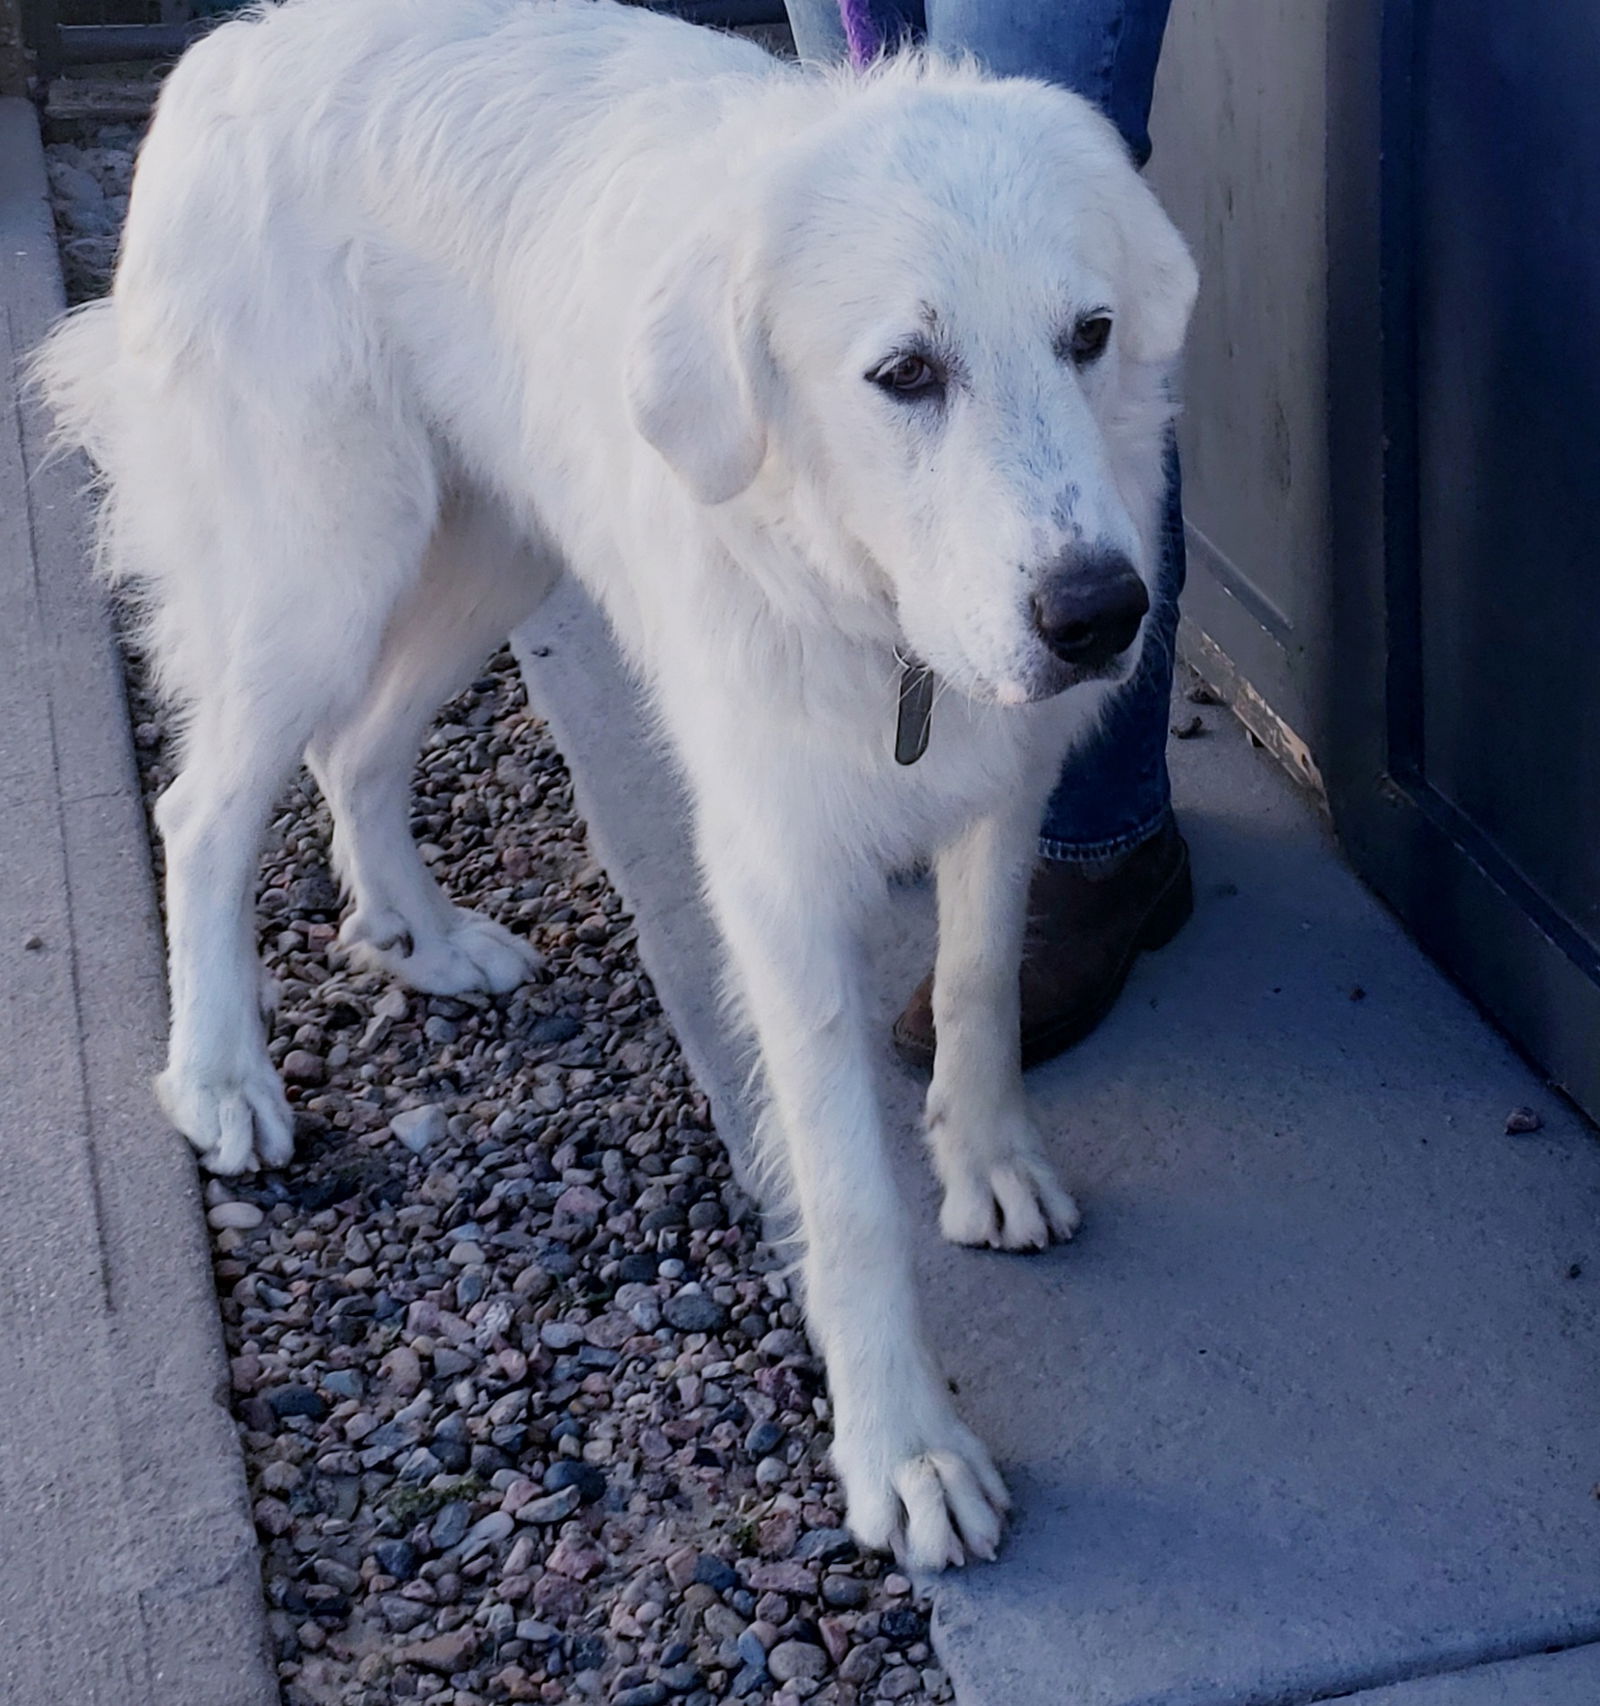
(471,954)
(933,1502)
(1004,1196)
(237,1120)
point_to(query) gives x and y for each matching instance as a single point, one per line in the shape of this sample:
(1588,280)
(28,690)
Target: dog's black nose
(1089,608)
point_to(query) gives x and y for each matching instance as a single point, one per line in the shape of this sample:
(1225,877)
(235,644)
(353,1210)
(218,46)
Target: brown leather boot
(1084,933)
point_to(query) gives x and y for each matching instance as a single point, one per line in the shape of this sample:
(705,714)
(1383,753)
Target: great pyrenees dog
(845,395)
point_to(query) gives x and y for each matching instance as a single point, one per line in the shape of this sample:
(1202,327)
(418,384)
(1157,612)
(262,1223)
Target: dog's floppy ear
(1162,280)
(698,376)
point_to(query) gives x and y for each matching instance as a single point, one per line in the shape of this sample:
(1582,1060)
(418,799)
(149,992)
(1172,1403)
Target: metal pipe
(728,14)
(95,44)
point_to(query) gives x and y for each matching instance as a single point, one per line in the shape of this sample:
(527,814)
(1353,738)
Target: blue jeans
(1114,793)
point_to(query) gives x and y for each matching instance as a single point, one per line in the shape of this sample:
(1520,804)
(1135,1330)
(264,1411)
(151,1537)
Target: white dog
(806,377)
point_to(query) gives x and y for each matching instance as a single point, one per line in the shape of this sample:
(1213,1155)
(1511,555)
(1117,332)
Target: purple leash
(860,31)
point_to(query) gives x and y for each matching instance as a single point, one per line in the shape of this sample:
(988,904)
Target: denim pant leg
(1114,791)
(1104,50)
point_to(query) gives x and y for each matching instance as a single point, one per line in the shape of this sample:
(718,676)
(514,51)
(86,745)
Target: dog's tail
(77,371)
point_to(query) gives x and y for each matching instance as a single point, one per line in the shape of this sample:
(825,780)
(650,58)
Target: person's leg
(1114,793)
(1113,877)
(1104,50)
(1112,880)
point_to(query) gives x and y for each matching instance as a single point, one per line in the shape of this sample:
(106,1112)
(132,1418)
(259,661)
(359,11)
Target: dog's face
(945,322)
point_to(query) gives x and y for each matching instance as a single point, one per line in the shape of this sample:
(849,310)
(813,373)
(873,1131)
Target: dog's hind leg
(270,573)
(479,580)
(999,1188)
(219,1087)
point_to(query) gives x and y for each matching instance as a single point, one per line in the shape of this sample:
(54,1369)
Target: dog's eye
(908,376)
(1088,339)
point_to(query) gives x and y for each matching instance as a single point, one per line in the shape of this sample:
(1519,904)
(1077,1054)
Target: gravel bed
(89,191)
(525,1401)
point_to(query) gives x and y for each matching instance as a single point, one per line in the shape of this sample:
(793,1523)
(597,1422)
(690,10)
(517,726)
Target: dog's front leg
(998,1187)
(914,1476)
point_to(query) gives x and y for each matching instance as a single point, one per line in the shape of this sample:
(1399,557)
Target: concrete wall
(1240,140)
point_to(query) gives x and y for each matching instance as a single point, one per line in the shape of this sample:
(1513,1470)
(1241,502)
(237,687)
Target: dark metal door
(1462,684)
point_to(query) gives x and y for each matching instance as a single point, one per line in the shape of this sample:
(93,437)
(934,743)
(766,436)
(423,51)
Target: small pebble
(589,1481)
(300,1066)
(576,1555)
(240,1216)
(645,1694)
(752,1646)
(297,1401)
(762,1440)
(691,1312)
(902,1625)
(450,1525)
(445,1654)
(402,1614)
(402,1369)
(554,1507)
(791,1659)
(397,1558)
(844,1592)
(420,1129)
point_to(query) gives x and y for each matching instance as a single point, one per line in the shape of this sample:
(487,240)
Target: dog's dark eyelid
(1086,341)
(911,374)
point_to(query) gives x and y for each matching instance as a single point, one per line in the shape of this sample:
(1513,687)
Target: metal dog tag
(916,712)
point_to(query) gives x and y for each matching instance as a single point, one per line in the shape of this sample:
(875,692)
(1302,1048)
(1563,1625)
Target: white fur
(421,299)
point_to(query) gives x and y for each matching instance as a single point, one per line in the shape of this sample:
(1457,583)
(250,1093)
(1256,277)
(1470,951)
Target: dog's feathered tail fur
(76,370)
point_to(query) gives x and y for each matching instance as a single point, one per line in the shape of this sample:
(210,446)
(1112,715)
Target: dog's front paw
(1001,1193)
(237,1119)
(470,954)
(933,1498)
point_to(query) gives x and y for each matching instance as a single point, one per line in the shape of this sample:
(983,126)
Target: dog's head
(943,320)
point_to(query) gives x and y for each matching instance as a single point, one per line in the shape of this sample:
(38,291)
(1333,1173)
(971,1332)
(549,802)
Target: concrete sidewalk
(128,1566)
(1309,1409)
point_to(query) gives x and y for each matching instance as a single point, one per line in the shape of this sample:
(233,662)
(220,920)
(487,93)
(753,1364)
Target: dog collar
(915,712)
